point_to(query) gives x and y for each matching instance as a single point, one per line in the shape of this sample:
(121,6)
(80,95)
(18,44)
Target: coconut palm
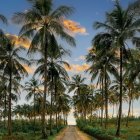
(56,70)
(122,24)
(12,68)
(3,94)
(32,88)
(102,65)
(40,22)
(82,101)
(132,74)
(63,102)
(132,67)
(76,83)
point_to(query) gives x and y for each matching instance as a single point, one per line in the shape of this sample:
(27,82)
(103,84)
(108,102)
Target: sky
(85,14)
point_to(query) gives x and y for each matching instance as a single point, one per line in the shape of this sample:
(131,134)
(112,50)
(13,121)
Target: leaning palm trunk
(120,97)
(9,105)
(130,101)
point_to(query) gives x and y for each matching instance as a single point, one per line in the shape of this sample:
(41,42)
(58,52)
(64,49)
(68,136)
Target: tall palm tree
(102,65)
(40,22)
(132,75)
(32,88)
(122,24)
(56,70)
(12,68)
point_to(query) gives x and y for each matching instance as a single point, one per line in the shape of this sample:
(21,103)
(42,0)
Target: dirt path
(72,133)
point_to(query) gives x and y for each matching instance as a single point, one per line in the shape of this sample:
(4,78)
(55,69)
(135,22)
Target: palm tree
(63,102)
(56,71)
(41,22)
(122,24)
(3,92)
(132,73)
(32,87)
(12,68)
(83,101)
(76,83)
(102,65)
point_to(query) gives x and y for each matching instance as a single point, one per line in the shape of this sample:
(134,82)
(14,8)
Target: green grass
(127,133)
(24,129)
(132,132)
(31,136)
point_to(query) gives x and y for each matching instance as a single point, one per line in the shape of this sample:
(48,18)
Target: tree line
(42,24)
(113,65)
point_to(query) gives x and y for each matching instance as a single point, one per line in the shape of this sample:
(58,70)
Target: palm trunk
(113,111)
(9,105)
(5,109)
(102,107)
(130,101)
(44,135)
(51,107)
(34,112)
(120,97)
(85,114)
(106,100)
(91,115)
(132,108)
(117,112)
(55,90)
(56,121)
(66,119)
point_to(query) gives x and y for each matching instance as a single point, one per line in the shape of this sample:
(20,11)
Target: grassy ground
(31,136)
(132,132)
(127,133)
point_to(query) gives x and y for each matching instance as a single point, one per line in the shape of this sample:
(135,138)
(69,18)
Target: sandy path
(72,133)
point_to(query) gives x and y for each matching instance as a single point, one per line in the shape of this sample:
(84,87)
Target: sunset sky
(86,13)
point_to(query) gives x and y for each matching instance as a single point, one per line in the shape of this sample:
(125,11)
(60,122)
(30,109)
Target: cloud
(29,69)
(19,41)
(77,68)
(74,27)
(80,58)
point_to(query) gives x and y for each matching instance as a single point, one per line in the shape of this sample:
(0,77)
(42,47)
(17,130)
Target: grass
(31,136)
(127,133)
(132,132)
(23,130)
